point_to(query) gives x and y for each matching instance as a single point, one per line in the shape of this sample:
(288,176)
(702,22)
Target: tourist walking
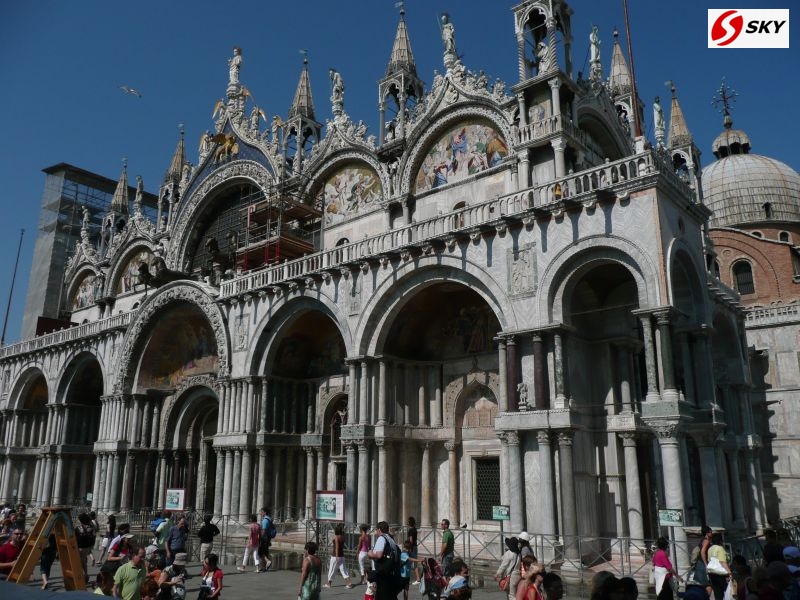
(664,572)
(210,578)
(413,542)
(206,535)
(386,555)
(85,538)
(111,531)
(252,544)
(509,564)
(448,546)
(176,539)
(337,557)
(129,577)
(49,554)
(310,575)
(363,551)
(718,570)
(268,532)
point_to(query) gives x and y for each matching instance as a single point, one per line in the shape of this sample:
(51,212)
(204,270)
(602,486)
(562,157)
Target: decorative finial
(725,96)
(402,6)
(181,129)
(671,85)
(616,33)
(125,163)
(304,52)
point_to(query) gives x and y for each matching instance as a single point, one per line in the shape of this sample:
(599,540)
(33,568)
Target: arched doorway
(442,374)
(306,378)
(80,391)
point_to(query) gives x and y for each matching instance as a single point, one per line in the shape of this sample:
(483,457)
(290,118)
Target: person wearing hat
(791,556)
(173,578)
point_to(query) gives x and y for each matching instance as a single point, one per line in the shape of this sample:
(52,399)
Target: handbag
(715,567)
(504,583)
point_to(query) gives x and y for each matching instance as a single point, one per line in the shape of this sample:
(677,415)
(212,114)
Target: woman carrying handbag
(665,573)
(508,563)
(718,570)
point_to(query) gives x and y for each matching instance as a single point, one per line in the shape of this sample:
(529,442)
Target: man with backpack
(268,532)
(160,528)
(386,554)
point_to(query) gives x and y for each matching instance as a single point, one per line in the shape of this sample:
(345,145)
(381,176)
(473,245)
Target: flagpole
(637,125)
(11,290)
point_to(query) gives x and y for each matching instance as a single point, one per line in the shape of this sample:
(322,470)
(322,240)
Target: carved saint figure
(137,200)
(448,35)
(337,86)
(594,41)
(234,65)
(658,116)
(543,57)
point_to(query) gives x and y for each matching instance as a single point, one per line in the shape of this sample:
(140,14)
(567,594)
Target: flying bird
(130,90)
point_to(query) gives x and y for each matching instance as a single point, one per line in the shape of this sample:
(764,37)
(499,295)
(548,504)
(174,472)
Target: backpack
(389,564)
(85,536)
(155,523)
(270,531)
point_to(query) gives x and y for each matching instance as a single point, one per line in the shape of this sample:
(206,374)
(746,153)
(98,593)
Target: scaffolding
(278,227)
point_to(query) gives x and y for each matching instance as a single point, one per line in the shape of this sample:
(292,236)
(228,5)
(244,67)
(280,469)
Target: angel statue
(254,115)
(337,86)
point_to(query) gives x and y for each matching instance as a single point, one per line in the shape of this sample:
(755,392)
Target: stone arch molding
(422,143)
(235,170)
(338,159)
(560,273)
(70,360)
(176,292)
(679,252)
(456,387)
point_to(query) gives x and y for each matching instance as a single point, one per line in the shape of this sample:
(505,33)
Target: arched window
(758,234)
(743,278)
(784,236)
(342,242)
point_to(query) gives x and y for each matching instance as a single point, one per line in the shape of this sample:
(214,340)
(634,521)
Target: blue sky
(62,62)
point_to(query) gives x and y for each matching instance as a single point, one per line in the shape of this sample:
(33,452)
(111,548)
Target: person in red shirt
(9,552)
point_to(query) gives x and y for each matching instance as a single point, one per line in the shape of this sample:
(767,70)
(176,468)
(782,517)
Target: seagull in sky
(130,90)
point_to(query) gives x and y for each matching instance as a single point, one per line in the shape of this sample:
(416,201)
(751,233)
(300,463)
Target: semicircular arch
(30,376)
(73,363)
(423,141)
(202,198)
(562,274)
(684,282)
(393,294)
(124,271)
(135,338)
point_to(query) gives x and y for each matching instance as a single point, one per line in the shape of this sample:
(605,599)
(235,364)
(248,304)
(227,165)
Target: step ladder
(57,521)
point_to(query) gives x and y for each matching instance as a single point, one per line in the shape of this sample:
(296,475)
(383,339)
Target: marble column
(363,395)
(623,364)
(227,485)
(736,485)
(310,480)
(437,402)
(58,485)
(275,399)
(263,411)
(350,491)
(710,479)
(278,478)
(558,368)
(115,486)
(559,146)
(512,377)
(128,481)
(649,359)
(546,485)
(758,520)
(668,440)
(669,391)
(261,478)
(219,482)
(425,478)
(541,391)
(156,426)
(382,392)
(246,481)
(453,481)
(292,472)
(364,486)
(688,369)
(383,499)
(632,489)
(502,375)
(516,481)
(249,414)
(352,390)
(422,401)
(321,470)
(569,513)
(236,486)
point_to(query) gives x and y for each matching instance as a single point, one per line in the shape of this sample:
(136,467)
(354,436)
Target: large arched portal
(442,378)
(80,389)
(305,377)
(174,412)
(23,472)
(605,367)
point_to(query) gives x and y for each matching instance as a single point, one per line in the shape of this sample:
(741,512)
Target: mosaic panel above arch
(464,150)
(84,293)
(349,190)
(129,276)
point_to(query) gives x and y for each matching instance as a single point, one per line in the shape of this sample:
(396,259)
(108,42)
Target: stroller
(434,582)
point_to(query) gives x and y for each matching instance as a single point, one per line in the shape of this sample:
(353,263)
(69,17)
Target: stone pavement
(281,584)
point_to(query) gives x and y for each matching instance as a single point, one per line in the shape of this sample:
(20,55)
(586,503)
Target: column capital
(565,437)
(543,436)
(629,438)
(558,144)
(667,430)
(450,445)
(380,443)
(554,83)
(512,438)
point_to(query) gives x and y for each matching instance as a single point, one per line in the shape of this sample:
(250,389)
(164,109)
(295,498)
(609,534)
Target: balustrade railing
(771,315)
(67,335)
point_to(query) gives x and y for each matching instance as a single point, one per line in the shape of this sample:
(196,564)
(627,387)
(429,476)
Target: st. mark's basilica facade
(505,297)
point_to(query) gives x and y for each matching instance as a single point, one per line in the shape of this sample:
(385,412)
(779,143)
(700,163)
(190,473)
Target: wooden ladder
(57,521)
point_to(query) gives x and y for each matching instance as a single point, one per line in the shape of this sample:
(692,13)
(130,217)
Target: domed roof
(742,188)
(738,187)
